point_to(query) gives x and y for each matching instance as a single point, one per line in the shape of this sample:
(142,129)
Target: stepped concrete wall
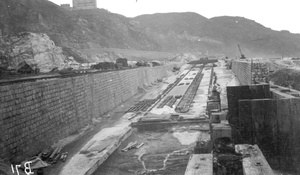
(35,115)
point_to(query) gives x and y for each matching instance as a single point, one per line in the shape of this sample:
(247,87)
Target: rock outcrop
(37,49)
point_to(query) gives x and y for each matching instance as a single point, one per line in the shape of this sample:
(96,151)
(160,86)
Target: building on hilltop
(66,6)
(84,4)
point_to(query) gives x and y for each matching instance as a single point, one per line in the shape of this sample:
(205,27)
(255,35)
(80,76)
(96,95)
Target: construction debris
(37,163)
(64,156)
(140,145)
(226,159)
(142,105)
(46,158)
(132,145)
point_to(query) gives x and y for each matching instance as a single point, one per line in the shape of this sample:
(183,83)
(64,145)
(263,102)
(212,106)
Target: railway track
(147,106)
(185,102)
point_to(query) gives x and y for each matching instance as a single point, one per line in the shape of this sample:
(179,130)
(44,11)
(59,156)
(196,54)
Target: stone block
(200,164)
(220,130)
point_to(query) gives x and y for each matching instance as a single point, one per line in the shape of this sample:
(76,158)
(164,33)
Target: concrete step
(201,164)
(97,150)
(254,161)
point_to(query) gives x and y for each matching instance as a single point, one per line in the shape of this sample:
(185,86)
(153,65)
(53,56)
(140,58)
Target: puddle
(188,138)
(163,153)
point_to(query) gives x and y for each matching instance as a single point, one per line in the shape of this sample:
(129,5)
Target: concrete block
(220,130)
(215,117)
(254,161)
(200,164)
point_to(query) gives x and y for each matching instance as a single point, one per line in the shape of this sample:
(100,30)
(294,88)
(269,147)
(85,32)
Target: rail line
(184,104)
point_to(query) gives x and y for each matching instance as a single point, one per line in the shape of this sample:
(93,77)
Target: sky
(275,14)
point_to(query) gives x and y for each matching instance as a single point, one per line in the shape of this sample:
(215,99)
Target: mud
(164,152)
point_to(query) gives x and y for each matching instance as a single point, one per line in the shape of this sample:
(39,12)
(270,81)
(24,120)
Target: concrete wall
(248,72)
(242,70)
(236,93)
(269,118)
(35,115)
(273,124)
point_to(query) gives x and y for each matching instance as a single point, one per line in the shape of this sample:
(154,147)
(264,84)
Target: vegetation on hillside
(170,32)
(287,78)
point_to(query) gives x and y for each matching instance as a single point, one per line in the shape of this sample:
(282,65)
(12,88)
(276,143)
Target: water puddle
(183,153)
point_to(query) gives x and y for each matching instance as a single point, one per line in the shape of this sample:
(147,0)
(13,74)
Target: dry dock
(167,132)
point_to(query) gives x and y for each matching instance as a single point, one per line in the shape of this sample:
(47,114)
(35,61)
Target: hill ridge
(167,32)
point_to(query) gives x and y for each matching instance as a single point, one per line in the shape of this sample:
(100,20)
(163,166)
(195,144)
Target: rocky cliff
(35,49)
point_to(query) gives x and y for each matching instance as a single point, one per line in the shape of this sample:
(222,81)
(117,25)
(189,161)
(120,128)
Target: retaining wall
(242,70)
(35,115)
(269,119)
(274,126)
(236,93)
(250,72)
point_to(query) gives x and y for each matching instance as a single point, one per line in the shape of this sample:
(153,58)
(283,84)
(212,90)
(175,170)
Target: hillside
(169,32)
(254,38)
(286,77)
(78,29)
(191,32)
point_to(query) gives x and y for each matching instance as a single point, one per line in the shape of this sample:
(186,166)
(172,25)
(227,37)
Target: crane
(242,55)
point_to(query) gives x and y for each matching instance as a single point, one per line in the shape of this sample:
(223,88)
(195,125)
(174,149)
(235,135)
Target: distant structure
(84,4)
(66,6)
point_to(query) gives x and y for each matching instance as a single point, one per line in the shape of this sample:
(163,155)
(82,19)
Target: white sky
(275,14)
